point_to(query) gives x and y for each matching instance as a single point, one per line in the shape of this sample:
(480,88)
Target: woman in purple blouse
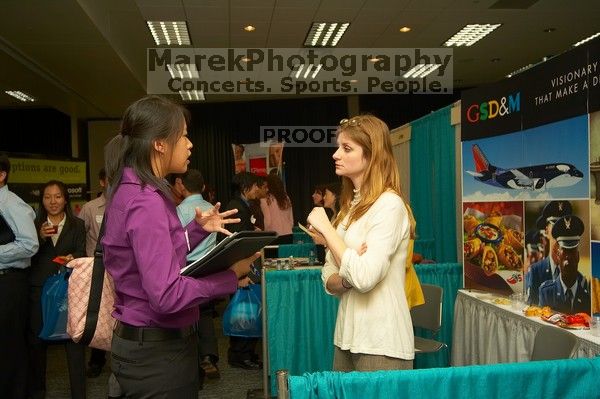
(154,347)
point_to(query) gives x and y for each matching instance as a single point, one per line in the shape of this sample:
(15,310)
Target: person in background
(92,214)
(373,328)
(176,193)
(192,184)
(317,195)
(255,208)
(18,243)
(60,234)
(570,292)
(277,210)
(209,194)
(331,199)
(154,349)
(244,186)
(547,268)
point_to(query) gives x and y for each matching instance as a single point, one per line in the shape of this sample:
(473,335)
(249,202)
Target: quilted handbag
(91,300)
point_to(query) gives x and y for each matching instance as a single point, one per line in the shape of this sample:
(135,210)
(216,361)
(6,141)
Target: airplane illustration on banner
(537,177)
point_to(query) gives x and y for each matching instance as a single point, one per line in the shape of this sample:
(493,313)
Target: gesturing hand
(215,221)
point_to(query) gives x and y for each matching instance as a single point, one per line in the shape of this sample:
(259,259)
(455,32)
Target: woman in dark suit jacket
(60,234)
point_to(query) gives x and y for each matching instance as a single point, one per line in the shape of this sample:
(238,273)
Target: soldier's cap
(554,210)
(567,231)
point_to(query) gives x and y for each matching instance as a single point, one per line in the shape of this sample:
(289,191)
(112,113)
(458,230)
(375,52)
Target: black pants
(14,287)
(38,349)
(241,349)
(164,369)
(97,358)
(207,339)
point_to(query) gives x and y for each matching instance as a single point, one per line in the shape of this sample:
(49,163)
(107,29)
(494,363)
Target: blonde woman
(368,244)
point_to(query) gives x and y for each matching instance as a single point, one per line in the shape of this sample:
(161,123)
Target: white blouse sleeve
(329,268)
(387,224)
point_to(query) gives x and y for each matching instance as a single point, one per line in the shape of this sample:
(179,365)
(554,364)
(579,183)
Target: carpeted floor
(233,384)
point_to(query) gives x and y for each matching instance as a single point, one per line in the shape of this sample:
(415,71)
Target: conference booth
(483,176)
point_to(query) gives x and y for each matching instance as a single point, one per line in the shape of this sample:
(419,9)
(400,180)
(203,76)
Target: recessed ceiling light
(249,28)
(471,34)
(405,29)
(495,60)
(325,34)
(374,58)
(587,39)
(549,30)
(172,33)
(421,70)
(19,95)
(353,80)
(245,59)
(183,71)
(192,95)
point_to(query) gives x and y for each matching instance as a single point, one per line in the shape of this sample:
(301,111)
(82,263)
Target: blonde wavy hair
(381,173)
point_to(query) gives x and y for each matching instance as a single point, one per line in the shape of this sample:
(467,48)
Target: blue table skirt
(301,318)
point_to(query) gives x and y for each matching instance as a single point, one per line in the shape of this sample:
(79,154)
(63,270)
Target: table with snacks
(490,328)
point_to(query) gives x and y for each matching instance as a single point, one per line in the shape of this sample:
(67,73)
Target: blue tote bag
(54,306)
(243,316)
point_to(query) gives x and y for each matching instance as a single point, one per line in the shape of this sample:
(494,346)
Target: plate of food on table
(577,321)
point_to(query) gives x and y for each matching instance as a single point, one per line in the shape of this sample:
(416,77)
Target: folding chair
(552,343)
(429,317)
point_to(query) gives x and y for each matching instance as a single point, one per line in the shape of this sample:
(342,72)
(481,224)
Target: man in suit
(547,268)
(570,293)
(245,188)
(18,245)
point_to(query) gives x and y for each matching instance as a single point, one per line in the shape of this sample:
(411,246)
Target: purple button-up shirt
(144,248)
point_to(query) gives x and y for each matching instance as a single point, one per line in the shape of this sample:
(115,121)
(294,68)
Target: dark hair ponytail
(148,119)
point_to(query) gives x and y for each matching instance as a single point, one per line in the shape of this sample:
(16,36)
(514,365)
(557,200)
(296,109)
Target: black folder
(6,233)
(236,247)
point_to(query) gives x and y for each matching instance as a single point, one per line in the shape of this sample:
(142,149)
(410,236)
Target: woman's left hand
(318,219)
(215,221)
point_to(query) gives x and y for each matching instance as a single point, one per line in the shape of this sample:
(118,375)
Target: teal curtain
(301,320)
(449,276)
(565,379)
(432,185)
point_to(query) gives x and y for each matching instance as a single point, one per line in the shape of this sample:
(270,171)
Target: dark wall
(35,131)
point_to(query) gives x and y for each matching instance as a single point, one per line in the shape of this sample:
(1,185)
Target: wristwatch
(346,284)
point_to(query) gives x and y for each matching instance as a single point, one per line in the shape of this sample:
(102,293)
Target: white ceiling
(87,57)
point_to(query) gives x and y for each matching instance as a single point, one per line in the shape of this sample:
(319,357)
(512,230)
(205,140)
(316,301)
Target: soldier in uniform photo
(570,293)
(545,269)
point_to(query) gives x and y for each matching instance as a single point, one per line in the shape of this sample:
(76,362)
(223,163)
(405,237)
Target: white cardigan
(373,317)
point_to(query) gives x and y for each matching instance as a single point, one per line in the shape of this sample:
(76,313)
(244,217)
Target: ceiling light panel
(169,33)
(471,34)
(19,95)
(325,34)
(183,71)
(192,95)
